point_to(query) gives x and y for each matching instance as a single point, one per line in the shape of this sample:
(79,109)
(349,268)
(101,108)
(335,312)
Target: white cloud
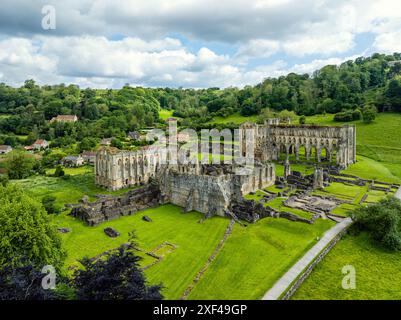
(81,50)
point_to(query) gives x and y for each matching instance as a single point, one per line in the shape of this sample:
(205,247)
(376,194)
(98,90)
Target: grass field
(270,244)
(378,273)
(165,114)
(256,256)
(367,168)
(234,118)
(195,242)
(66,190)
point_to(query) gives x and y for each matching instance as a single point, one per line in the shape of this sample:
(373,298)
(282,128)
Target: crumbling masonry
(213,189)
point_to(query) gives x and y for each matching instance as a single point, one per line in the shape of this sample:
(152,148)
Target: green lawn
(255,257)
(378,273)
(367,168)
(195,242)
(66,190)
(165,114)
(234,118)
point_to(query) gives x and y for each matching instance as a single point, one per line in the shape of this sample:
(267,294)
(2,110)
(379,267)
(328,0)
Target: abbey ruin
(273,139)
(213,189)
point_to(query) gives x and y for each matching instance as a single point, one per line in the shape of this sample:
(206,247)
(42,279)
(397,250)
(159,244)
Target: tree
(369,113)
(87,144)
(117,144)
(19,165)
(59,172)
(116,277)
(382,221)
(393,94)
(302,120)
(356,114)
(26,234)
(23,283)
(48,203)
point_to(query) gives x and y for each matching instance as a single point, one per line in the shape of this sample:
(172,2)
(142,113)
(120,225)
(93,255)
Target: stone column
(307,152)
(297,152)
(318,154)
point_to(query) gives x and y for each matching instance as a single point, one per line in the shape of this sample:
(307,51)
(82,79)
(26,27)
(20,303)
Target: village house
(5,149)
(64,118)
(73,161)
(40,144)
(89,156)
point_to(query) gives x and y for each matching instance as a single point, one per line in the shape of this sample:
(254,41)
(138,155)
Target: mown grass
(255,257)
(370,169)
(378,273)
(235,118)
(195,242)
(164,114)
(81,181)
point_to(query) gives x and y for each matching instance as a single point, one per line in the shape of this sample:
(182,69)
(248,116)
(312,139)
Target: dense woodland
(373,82)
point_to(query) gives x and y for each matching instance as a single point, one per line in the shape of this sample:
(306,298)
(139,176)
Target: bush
(59,171)
(356,114)
(369,113)
(382,221)
(344,116)
(19,164)
(302,120)
(48,203)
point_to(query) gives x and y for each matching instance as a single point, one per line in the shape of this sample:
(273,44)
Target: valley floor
(255,256)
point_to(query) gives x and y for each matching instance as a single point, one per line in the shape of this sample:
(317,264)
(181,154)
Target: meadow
(77,183)
(254,256)
(378,273)
(239,270)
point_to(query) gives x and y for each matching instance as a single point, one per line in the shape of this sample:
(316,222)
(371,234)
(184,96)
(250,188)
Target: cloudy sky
(188,43)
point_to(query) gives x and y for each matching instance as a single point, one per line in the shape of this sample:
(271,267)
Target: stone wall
(112,207)
(211,189)
(305,274)
(274,139)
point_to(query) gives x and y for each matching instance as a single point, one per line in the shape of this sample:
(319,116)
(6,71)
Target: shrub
(19,164)
(59,171)
(382,221)
(356,114)
(369,113)
(48,203)
(302,120)
(344,116)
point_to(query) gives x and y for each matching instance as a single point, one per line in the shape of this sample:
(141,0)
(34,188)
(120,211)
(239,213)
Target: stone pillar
(318,178)
(297,152)
(319,154)
(307,152)
(287,152)
(287,169)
